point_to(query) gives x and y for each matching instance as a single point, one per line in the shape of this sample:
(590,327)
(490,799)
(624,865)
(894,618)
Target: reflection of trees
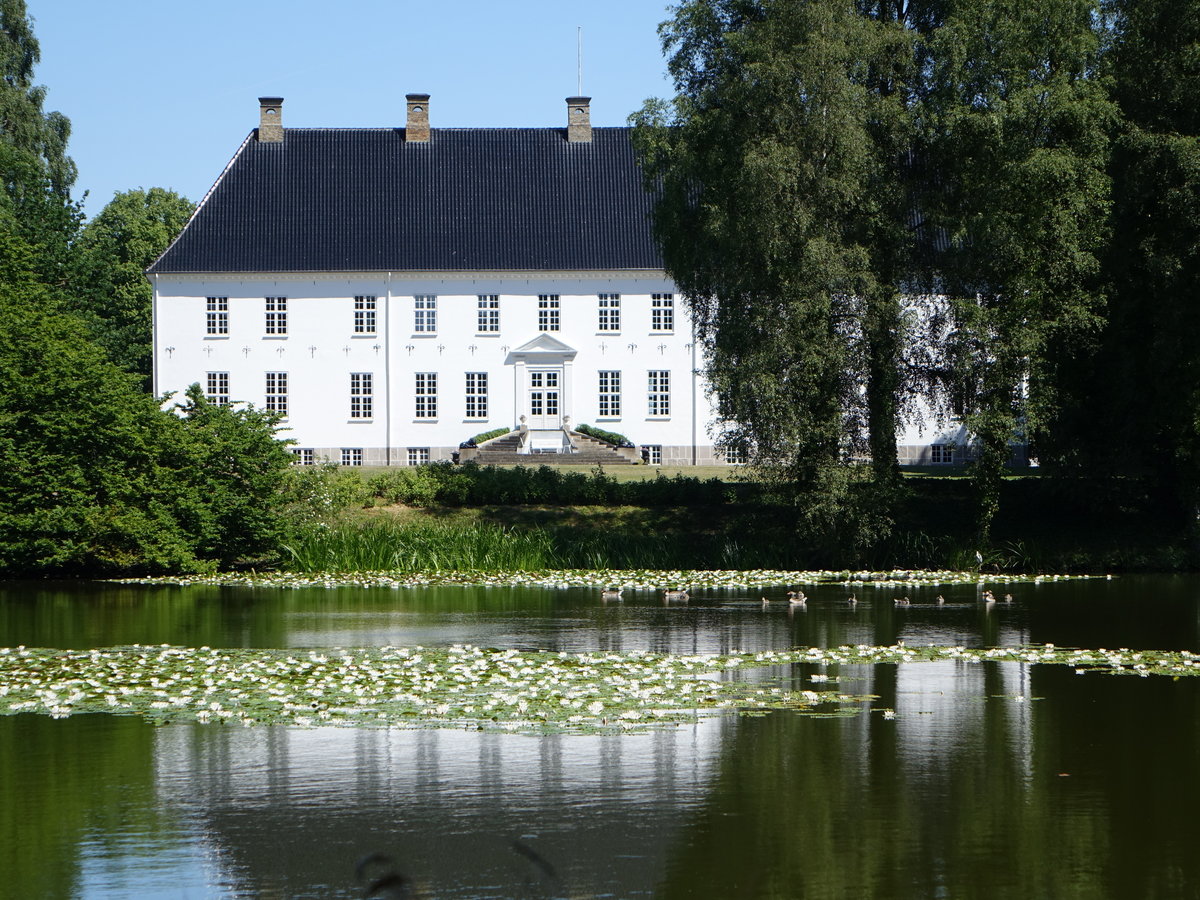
(967,800)
(65,784)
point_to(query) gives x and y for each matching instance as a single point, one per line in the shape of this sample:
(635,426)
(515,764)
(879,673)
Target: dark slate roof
(365,200)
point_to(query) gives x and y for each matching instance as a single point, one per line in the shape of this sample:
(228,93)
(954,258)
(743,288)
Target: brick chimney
(417,130)
(270,120)
(579,120)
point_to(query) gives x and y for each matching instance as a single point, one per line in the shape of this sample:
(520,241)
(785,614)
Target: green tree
(96,476)
(232,467)
(781,164)
(1142,377)
(112,252)
(37,174)
(1016,123)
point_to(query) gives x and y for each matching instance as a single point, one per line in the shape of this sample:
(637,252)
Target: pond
(944,779)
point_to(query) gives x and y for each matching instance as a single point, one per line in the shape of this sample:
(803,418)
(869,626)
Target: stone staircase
(502,451)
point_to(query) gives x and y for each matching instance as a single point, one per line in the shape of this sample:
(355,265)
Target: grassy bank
(469,518)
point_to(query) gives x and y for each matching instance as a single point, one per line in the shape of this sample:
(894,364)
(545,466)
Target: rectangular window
(658,396)
(734,456)
(364,315)
(217,316)
(276,315)
(662,312)
(362,395)
(610,312)
(352,456)
(941,453)
(426,395)
(425,314)
(218,388)
(548,310)
(304,456)
(610,395)
(477,398)
(489,313)
(277,392)
(653,454)
(418,456)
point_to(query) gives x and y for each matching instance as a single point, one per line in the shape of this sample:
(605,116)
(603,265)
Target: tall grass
(387,546)
(426,547)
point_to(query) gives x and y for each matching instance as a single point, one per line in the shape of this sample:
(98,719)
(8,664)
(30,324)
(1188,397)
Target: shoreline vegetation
(442,518)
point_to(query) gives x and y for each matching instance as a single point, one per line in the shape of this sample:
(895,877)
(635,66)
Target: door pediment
(543,348)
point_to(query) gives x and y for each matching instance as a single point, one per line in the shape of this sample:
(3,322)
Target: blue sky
(160,93)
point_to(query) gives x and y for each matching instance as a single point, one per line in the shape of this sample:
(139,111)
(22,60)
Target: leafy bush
(611,437)
(314,493)
(414,486)
(487,436)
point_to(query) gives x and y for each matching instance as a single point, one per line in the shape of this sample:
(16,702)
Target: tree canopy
(868,203)
(109,289)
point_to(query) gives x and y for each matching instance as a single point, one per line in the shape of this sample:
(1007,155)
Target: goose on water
(675,594)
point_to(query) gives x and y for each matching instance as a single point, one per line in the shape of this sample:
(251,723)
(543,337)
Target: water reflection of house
(293,809)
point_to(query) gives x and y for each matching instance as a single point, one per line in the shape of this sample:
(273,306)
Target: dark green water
(994,780)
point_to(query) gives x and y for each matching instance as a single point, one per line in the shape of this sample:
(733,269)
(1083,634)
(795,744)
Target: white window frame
(549,312)
(362,395)
(425,396)
(425,314)
(608,394)
(304,456)
(418,456)
(276,392)
(352,456)
(734,456)
(941,454)
(653,454)
(608,313)
(658,394)
(476,395)
(366,307)
(488,320)
(662,312)
(216,316)
(217,388)
(276,315)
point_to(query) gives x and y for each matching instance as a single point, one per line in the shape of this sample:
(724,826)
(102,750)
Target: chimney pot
(579,120)
(270,120)
(417,129)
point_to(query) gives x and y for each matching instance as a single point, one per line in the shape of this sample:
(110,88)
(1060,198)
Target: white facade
(394,369)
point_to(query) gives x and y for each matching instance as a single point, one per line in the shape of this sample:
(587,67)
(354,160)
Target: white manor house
(393,292)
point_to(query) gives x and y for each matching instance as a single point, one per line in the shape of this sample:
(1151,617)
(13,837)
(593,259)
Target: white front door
(545,393)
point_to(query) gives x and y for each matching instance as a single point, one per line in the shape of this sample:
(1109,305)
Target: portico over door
(542,382)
